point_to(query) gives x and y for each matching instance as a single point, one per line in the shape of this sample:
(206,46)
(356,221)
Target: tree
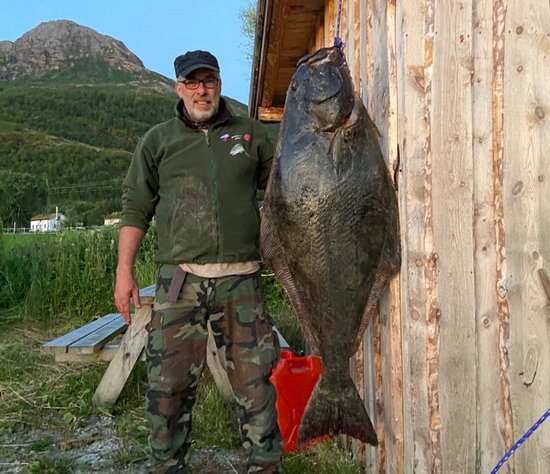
(21,196)
(248,28)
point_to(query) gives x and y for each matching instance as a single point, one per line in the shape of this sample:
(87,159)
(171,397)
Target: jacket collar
(221,116)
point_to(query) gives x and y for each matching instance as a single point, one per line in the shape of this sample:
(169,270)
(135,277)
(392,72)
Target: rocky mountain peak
(58,44)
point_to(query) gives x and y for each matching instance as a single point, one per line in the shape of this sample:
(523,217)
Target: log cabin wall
(456,366)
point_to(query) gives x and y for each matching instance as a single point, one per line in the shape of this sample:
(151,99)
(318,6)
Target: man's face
(201,103)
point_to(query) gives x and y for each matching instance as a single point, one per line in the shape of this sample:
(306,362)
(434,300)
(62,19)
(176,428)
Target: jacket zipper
(213,170)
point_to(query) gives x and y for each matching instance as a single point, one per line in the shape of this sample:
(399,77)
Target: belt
(175,285)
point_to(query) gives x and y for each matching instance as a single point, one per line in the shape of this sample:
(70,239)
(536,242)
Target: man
(198,174)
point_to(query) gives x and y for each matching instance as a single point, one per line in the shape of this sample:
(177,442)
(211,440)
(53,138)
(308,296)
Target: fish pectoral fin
(335,407)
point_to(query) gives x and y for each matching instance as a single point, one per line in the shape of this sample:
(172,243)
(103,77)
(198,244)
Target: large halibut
(330,231)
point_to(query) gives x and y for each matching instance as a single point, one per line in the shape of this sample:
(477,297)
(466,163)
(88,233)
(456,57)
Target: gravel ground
(95,447)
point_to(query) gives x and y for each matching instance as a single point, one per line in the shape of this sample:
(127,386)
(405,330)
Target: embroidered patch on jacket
(227,138)
(237,149)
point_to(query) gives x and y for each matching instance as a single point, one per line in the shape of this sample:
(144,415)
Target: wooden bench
(88,343)
(92,342)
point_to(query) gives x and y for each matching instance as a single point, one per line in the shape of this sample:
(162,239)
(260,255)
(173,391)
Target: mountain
(73,105)
(65,49)
(49,47)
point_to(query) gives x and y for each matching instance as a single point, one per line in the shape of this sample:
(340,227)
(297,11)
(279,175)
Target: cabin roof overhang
(284,31)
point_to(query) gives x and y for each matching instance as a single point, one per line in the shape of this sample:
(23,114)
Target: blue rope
(522,440)
(337,40)
(338,24)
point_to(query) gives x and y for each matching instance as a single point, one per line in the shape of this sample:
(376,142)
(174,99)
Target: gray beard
(202,116)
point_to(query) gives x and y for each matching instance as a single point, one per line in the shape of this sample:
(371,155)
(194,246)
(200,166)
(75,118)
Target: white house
(47,222)
(112,219)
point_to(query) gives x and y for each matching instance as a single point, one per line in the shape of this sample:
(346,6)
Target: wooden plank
(367,356)
(525,174)
(105,354)
(379,395)
(147,294)
(330,20)
(349,44)
(414,37)
(369,393)
(377,100)
(217,367)
(452,339)
(503,308)
(356,70)
(393,356)
(270,114)
(97,339)
(360,449)
(61,343)
(282,341)
(363,56)
(273,55)
(545,282)
(343,14)
(124,360)
(451,315)
(319,33)
(490,441)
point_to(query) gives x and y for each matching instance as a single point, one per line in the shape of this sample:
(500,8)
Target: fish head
(322,86)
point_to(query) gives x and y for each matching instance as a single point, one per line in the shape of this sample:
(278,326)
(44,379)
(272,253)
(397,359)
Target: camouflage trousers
(176,353)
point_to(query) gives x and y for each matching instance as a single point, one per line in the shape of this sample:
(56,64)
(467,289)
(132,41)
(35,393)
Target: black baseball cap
(192,60)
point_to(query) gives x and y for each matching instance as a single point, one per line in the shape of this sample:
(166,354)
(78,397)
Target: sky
(157,31)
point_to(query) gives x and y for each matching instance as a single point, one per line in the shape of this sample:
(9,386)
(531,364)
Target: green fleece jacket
(201,187)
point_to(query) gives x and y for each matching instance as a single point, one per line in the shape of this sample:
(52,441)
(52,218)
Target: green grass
(49,465)
(41,445)
(63,280)
(56,282)
(279,308)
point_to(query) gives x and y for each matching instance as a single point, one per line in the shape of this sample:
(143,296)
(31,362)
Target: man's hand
(126,290)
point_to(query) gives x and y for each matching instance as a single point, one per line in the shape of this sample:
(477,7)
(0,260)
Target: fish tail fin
(335,407)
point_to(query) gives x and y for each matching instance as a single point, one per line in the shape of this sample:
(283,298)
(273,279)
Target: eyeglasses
(209,83)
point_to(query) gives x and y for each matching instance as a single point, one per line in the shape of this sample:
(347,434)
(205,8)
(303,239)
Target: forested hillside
(73,126)
(78,139)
